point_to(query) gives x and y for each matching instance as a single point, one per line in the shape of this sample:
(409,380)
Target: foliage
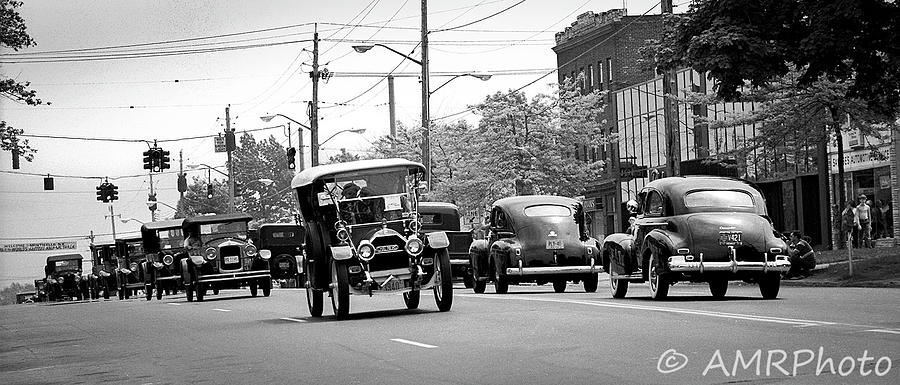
(853,41)
(262,182)
(8,294)
(343,157)
(13,35)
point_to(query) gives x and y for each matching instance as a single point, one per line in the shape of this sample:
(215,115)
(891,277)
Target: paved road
(530,336)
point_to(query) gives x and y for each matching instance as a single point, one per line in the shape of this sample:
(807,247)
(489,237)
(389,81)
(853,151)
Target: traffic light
(291,154)
(112,192)
(163,159)
(209,191)
(151,202)
(101,193)
(182,182)
(149,156)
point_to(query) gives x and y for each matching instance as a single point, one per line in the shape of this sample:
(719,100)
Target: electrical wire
(479,20)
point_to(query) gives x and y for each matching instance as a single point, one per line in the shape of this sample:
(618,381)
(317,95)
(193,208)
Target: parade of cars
(163,243)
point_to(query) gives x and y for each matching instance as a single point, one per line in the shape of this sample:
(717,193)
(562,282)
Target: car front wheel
(411,299)
(314,298)
(718,287)
(443,287)
(340,290)
(559,285)
(253,288)
(189,292)
(769,284)
(201,291)
(590,283)
(659,283)
(266,285)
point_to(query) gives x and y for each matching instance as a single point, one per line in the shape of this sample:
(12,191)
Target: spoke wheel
(340,290)
(314,298)
(659,283)
(443,286)
(411,298)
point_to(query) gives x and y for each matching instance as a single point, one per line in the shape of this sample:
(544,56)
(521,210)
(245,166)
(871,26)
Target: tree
(840,56)
(343,157)
(262,171)
(13,35)
(196,200)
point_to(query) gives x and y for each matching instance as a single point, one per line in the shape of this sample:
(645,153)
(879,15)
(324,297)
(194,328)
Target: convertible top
(162,225)
(438,208)
(64,257)
(312,174)
(217,218)
(130,239)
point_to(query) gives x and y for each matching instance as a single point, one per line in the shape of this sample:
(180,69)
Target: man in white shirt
(864,212)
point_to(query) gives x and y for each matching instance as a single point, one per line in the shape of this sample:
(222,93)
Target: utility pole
(302,164)
(152,198)
(670,115)
(392,111)
(112,220)
(180,170)
(426,94)
(229,146)
(314,107)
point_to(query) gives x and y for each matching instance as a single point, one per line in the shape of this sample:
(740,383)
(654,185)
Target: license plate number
(284,265)
(730,238)
(554,244)
(394,284)
(232,259)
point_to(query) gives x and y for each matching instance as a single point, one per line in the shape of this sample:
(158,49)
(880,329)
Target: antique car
(63,278)
(535,238)
(697,229)
(221,255)
(40,290)
(103,272)
(364,235)
(284,243)
(163,244)
(131,266)
(439,216)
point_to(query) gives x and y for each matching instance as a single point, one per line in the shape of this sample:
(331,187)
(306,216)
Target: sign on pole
(220,144)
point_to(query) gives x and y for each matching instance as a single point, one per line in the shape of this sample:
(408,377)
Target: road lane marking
(174,304)
(224,310)
(293,319)
(413,343)
(884,331)
(749,317)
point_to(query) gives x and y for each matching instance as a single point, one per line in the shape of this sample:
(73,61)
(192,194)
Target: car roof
(271,225)
(518,203)
(64,257)
(216,218)
(163,225)
(438,207)
(310,175)
(681,185)
(137,238)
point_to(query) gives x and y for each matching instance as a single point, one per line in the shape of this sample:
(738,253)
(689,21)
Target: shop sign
(863,159)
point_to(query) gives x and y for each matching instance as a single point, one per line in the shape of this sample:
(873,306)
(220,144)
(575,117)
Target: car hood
(704,229)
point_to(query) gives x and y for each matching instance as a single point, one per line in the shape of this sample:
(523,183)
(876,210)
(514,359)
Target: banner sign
(37,246)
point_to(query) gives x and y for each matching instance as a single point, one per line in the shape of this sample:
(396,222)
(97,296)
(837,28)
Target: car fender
(145,272)
(622,242)
(478,256)
(500,250)
(662,240)
(185,272)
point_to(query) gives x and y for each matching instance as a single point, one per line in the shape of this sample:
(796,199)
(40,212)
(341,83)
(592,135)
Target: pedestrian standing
(864,213)
(878,223)
(849,222)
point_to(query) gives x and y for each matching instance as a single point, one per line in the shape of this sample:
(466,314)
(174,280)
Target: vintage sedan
(364,235)
(63,278)
(284,244)
(103,273)
(163,244)
(220,253)
(440,216)
(697,229)
(131,266)
(535,238)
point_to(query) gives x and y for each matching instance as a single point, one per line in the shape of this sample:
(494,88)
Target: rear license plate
(554,244)
(231,259)
(394,284)
(284,265)
(730,238)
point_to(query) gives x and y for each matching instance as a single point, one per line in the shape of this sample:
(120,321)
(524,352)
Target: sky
(168,98)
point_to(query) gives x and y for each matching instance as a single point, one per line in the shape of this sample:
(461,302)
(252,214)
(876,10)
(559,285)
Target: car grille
(386,260)
(227,251)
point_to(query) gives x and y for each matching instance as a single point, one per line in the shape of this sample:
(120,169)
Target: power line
(482,19)
(139,140)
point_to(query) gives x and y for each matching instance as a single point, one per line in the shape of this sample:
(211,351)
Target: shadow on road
(701,298)
(369,315)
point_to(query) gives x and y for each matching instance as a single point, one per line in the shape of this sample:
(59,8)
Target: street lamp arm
(269,117)
(484,77)
(364,48)
(355,130)
(195,166)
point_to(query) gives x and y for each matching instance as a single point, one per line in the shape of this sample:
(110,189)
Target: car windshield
(66,265)
(226,229)
(284,237)
(171,239)
(134,249)
(548,211)
(369,198)
(718,198)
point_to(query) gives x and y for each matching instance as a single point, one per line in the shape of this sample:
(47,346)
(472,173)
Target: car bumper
(680,264)
(554,270)
(459,261)
(233,276)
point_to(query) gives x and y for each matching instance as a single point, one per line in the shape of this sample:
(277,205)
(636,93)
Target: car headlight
(168,260)
(414,246)
(250,250)
(134,266)
(366,251)
(210,253)
(414,225)
(265,254)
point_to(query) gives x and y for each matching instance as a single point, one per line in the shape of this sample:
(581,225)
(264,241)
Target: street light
(353,130)
(204,165)
(314,148)
(365,47)
(482,77)
(126,220)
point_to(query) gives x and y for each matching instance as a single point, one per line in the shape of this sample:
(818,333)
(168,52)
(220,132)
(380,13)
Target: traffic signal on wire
(163,159)
(291,154)
(209,191)
(113,192)
(101,193)
(148,159)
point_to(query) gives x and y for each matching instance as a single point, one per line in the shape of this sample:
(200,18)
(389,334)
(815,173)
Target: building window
(590,77)
(609,72)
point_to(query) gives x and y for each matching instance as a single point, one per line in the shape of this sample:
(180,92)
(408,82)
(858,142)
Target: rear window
(432,219)
(718,198)
(547,211)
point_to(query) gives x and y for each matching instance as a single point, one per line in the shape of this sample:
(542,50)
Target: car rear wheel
(266,285)
(468,281)
(159,290)
(718,287)
(501,282)
(201,292)
(148,291)
(443,286)
(189,292)
(618,287)
(340,290)
(559,285)
(253,288)
(411,298)
(659,283)
(590,283)
(769,284)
